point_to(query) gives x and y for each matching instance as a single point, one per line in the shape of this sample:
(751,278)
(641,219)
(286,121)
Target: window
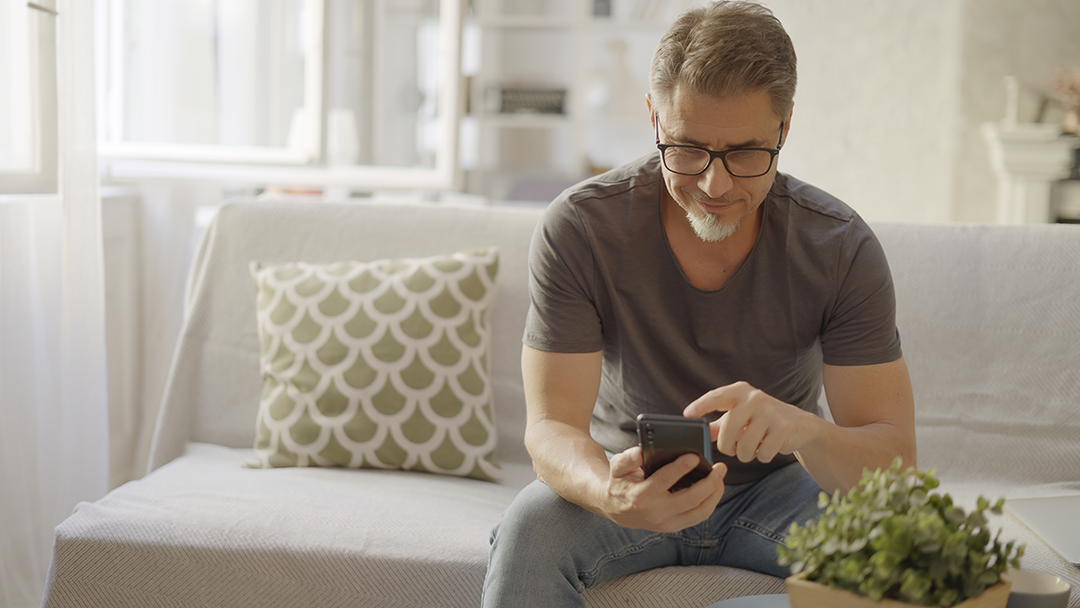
(358,93)
(28,119)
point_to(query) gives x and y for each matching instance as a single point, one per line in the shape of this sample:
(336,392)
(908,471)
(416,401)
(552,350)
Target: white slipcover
(990,324)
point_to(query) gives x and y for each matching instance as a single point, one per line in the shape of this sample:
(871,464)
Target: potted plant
(890,541)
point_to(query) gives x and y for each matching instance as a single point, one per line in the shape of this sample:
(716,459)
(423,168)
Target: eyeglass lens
(740,163)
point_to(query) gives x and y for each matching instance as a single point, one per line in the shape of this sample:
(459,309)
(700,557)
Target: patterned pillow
(381,364)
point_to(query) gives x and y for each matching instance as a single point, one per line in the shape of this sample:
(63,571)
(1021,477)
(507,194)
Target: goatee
(709,229)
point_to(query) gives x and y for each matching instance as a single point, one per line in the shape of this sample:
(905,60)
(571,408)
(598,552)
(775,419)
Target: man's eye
(742,155)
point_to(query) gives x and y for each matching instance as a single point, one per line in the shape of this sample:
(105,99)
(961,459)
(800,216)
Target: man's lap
(743,532)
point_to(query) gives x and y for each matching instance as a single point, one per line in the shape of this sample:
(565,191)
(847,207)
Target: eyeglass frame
(714,155)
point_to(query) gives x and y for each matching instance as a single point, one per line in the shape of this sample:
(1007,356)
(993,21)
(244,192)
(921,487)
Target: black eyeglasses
(740,162)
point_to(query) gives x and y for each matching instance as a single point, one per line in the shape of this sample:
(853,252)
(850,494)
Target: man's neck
(707,264)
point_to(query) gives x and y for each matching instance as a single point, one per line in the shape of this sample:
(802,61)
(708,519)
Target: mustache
(700,197)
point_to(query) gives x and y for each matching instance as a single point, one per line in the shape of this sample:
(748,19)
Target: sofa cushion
(205,531)
(378,364)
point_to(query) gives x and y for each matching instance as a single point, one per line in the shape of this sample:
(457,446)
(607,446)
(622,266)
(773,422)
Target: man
(699,281)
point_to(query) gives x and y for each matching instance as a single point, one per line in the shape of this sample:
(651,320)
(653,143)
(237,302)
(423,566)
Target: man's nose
(716,181)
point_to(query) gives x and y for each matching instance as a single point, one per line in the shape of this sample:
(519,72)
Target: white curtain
(53,405)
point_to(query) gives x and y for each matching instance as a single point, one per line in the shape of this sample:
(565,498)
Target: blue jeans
(547,551)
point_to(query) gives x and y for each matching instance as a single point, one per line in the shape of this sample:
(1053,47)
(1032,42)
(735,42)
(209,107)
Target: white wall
(892,93)
(1026,39)
(876,108)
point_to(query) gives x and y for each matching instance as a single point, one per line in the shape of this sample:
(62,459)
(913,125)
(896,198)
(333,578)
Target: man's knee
(540,520)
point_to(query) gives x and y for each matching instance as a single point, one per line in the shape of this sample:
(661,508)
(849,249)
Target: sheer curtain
(53,407)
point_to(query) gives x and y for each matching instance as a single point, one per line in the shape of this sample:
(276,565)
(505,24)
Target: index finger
(722,399)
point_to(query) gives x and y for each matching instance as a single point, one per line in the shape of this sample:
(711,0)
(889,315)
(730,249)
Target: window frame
(43,175)
(300,166)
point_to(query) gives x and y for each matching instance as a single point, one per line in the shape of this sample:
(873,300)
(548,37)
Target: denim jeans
(547,551)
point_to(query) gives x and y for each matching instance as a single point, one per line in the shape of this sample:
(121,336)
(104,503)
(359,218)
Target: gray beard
(708,229)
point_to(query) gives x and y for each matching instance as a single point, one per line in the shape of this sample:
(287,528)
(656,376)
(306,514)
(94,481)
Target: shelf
(527,22)
(521,121)
(623,24)
(555,22)
(560,45)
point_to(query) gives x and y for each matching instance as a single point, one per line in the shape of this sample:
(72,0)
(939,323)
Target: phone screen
(664,438)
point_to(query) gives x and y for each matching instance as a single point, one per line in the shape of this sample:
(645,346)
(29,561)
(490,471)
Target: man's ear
(787,125)
(652,110)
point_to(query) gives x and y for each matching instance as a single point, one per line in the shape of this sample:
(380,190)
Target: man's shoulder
(810,201)
(813,221)
(584,214)
(623,182)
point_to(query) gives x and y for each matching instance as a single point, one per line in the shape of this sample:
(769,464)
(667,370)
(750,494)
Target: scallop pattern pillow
(378,364)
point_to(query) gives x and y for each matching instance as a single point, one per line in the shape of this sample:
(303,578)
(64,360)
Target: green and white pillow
(378,364)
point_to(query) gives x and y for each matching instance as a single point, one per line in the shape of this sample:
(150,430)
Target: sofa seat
(386,538)
(378,539)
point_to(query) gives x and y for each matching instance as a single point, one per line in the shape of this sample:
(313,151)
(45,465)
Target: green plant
(890,537)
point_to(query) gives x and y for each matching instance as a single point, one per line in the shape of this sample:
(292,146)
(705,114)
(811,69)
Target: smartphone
(664,438)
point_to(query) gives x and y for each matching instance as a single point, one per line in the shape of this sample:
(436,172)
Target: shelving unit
(600,61)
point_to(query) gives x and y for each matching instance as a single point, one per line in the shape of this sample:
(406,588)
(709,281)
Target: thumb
(627,462)
(723,468)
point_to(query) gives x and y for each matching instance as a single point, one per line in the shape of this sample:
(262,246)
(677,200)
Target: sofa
(989,317)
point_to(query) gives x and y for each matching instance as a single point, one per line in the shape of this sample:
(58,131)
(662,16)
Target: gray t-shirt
(815,288)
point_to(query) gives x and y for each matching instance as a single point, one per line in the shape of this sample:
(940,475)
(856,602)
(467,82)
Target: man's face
(715,202)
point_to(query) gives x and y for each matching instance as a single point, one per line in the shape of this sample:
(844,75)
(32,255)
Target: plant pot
(808,594)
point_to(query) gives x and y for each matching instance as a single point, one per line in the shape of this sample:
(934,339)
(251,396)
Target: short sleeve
(861,327)
(563,314)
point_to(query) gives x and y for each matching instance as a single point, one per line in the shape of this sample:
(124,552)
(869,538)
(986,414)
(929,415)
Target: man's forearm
(874,409)
(837,458)
(569,461)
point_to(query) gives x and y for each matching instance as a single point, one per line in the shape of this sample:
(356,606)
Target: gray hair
(723,49)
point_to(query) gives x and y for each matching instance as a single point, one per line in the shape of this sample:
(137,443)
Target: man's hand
(560,392)
(754,425)
(874,422)
(634,501)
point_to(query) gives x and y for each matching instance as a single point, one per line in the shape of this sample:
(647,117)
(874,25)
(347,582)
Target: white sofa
(990,322)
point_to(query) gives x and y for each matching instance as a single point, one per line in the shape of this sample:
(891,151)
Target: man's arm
(873,409)
(560,391)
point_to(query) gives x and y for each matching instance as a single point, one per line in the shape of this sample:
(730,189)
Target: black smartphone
(664,438)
